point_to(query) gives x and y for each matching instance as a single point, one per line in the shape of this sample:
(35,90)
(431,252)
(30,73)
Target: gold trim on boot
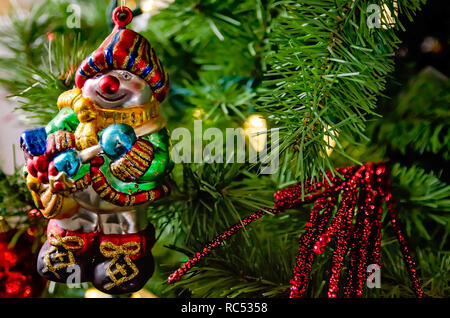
(67,244)
(110,250)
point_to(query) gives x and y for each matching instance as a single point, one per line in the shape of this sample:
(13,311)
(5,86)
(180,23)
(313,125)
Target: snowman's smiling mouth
(112,100)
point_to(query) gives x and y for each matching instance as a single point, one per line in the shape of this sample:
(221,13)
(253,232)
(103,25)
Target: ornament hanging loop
(122,16)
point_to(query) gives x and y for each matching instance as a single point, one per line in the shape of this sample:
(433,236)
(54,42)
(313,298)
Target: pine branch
(209,198)
(41,68)
(255,263)
(326,70)
(417,120)
(15,199)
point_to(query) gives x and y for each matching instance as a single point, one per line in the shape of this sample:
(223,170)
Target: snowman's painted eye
(125,75)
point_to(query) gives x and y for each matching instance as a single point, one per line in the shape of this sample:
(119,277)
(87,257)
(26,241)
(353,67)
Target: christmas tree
(325,84)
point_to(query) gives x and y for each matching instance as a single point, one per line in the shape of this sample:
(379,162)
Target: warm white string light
(330,139)
(255,128)
(152,7)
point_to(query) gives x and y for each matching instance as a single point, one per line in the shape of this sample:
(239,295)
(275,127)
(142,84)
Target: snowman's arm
(161,164)
(147,161)
(77,115)
(57,138)
(60,131)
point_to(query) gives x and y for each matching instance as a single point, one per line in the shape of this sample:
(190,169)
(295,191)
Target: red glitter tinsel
(176,276)
(355,228)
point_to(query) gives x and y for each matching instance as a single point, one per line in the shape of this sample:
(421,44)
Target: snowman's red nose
(109,84)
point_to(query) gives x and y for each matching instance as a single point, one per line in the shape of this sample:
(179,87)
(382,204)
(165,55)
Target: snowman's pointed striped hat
(126,50)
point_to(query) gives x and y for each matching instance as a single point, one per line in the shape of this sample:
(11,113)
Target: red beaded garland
(355,228)
(409,261)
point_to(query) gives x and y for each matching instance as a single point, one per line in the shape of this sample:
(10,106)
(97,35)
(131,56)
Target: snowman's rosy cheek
(137,85)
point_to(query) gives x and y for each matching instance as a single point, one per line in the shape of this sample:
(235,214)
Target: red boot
(125,262)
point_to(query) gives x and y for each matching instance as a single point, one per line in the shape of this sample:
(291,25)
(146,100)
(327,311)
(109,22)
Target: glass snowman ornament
(98,164)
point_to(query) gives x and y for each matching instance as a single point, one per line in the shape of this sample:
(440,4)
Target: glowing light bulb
(95,293)
(132,4)
(330,141)
(198,113)
(255,129)
(143,293)
(152,7)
